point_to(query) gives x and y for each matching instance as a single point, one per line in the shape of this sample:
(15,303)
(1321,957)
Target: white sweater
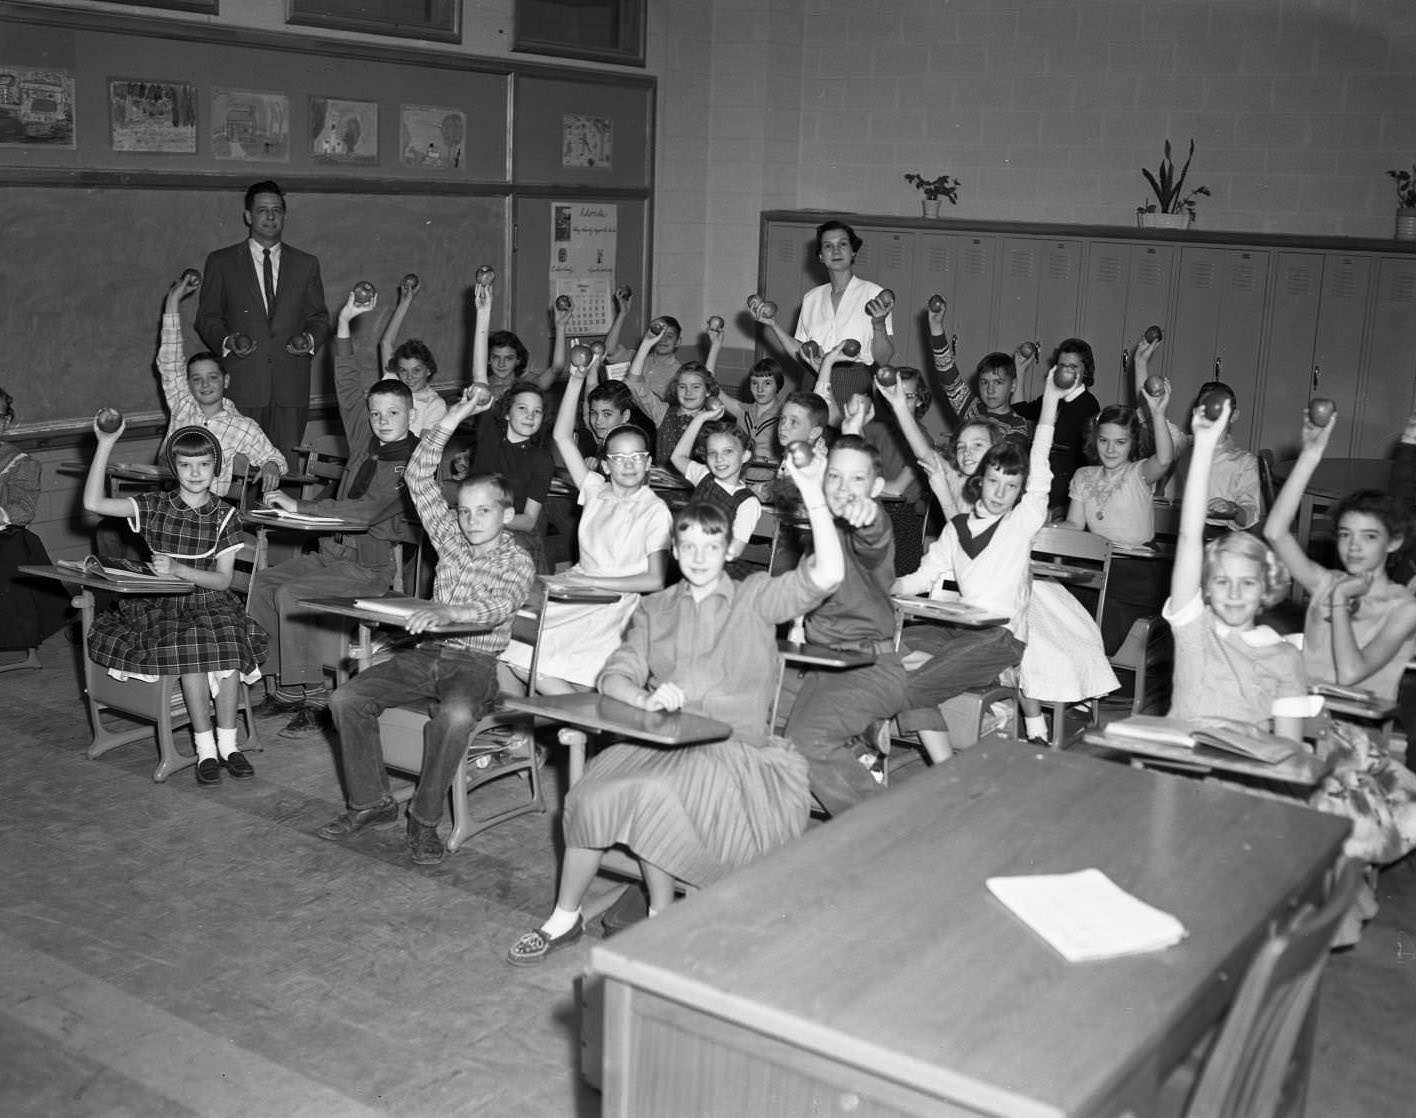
(999,580)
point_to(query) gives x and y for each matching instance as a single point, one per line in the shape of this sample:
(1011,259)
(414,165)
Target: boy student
(195,390)
(358,563)
(834,707)
(725,449)
(483,577)
(607,406)
(991,395)
(802,418)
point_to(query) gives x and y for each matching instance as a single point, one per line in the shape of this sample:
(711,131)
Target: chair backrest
(322,457)
(1270,1023)
(1074,557)
(1266,489)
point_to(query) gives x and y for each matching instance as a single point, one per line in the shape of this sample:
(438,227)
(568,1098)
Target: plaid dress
(177,634)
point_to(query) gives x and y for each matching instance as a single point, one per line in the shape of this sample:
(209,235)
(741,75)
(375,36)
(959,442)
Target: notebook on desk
(394,606)
(1228,737)
(294,517)
(126,573)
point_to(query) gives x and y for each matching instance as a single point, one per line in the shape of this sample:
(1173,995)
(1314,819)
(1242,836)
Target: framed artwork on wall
(36,107)
(431,138)
(344,131)
(247,124)
(152,115)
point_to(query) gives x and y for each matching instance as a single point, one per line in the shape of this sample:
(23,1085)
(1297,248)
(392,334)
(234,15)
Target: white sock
(560,921)
(1036,725)
(205,742)
(653,912)
(226,741)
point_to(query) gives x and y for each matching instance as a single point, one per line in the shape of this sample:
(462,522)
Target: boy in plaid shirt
(483,577)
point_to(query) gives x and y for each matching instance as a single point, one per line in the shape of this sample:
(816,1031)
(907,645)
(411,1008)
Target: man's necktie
(268,277)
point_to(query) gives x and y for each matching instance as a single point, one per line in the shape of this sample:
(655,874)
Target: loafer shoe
(382,814)
(272,705)
(308,720)
(237,765)
(209,771)
(631,908)
(424,845)
(532,948)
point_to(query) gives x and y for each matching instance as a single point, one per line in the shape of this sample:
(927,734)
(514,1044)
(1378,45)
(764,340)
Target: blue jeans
(454,686)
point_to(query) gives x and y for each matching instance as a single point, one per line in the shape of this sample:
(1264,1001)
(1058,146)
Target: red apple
(715,323)
(242,346)
(580,356)
(1154,334)
(624,293)
(801,454)
(886,298)
(410,283)
(191,276)
(887,376)
(1063,377)
(486,275)
(364,293)
(1213,404)
(658,326)
(479,394)
(1320,411)
(752,301)
(811,352)
(1028,350)
(938,304)
(850,348)
(1154,386)
(563,303)
(109,420)
(767,309)
(597,348)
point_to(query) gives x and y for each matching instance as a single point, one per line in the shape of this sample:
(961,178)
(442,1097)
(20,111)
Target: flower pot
(1163,221)
(1405,224)
(930,206)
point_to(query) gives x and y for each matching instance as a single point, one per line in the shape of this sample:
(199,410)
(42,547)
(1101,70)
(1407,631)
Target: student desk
(865,968)
(1303,771)
(943,611)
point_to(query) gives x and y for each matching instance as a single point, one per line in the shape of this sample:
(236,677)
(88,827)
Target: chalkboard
(84,274)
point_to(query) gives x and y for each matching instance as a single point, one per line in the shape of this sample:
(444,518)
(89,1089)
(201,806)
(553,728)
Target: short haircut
(923,397)
(1007,457)
(1119,415)
(1374,503)
(817,410)
(505,339)
(769,367)
(1082,350)
(500,487)
(191,442)
(613,392)
(710,518)
(1246,545)
(391,386)
(857,442)
(827,226)
(265,186)
(997,361)
(205,355)
(628,429)
(671,323)
(726,426)
(414,349)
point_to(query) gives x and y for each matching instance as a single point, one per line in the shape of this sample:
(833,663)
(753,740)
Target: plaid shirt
(491,586)
(236,433)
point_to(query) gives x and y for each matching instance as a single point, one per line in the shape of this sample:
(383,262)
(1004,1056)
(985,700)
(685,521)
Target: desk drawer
(663,1058)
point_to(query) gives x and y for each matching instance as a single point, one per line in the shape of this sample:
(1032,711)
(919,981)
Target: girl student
(766,384)
(986,551)
(412,362)
(1116,499)
(1359,631)
(32,611)
(500,359)
(624,542)
(661,364)
(692,388)
(1063,660)
(205,637)
(696,813)
(719,482)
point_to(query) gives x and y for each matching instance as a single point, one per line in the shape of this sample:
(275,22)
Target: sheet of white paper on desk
(394,607)
(300,517)
(1086,916)
(1153,727)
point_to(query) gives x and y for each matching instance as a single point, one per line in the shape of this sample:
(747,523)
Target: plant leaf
(1150,178)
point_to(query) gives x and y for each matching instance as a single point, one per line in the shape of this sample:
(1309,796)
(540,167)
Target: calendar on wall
(582,265)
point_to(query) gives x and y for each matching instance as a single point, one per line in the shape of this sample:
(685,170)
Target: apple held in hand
(811,352)
(886,299)
(242,346)
(364,293)
(886,376)
(191,277)
(1064,378)
(563,303)
(486,276)
(1321,411)
(479,395)
(410,283)
(580,356)
(754,300)
(1213,404)
(1028,350)
(109,420)
(658,326)
(850,348)
(716,324)
(624,293)
(597,348)
(766,309)
(1154,386)
(302,344)
(800,454)
(937,304)
(1154,334)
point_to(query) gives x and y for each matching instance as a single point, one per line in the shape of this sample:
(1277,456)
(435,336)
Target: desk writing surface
(598,712)
(873,940)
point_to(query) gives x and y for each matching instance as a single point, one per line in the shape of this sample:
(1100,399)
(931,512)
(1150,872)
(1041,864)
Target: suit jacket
(231,303)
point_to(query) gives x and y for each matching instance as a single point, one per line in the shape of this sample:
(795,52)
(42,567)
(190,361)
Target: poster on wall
(36,107)
(587,141)
(246,124)
(583,237)
(431,138)
(344,131)
(149,115)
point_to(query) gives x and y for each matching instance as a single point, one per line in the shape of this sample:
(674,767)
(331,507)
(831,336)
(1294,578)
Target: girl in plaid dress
(204,637)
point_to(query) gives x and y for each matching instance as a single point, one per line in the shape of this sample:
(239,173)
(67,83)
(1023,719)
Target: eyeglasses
(623,460)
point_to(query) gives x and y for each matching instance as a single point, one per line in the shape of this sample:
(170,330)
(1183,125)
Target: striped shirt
(491,586)
(236,433)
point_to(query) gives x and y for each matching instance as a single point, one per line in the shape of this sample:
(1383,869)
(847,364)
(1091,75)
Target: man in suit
(262,308)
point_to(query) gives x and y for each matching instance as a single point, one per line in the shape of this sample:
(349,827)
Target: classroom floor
(174,950)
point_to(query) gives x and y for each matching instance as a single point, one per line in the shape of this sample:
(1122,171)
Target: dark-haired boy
(990,396)
(359,564)
(483,577)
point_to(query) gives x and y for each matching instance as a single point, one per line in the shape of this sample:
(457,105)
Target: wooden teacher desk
(865,969)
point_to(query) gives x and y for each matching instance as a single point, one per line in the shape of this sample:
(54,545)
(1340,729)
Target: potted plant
(1172,208)
(934,189)
(1405,203)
